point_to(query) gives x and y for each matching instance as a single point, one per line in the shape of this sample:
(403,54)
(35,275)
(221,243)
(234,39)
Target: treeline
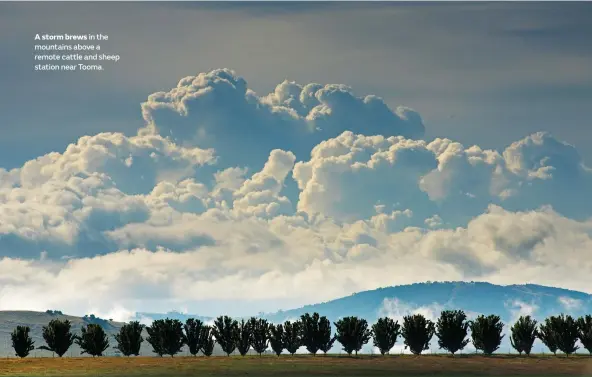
(314,332)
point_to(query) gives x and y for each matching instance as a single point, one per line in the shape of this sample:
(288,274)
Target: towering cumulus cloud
(224,194)
(216,109)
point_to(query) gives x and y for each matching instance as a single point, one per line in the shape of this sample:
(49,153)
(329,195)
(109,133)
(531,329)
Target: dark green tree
(92,340)
(226,332)
(452,330)
(523,334)
(166,336)
(417,332)
(129,339)
(486,333)
(193,335)
(208,342)
(353,333)
(57,336)
(292,338)
(155,337)
(260,338)
(244,337)
(276,338)
(585,332)
(311,333)
(22,341)
(547,334)
(566,328)
(325,339)
(385,332)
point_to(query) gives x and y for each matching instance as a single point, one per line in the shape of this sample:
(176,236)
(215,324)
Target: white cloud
(63,202)
(217,109)
(145,222)
(397,310)
(570,304)
(347,175)
(518,309)
(243,258)
(434,221)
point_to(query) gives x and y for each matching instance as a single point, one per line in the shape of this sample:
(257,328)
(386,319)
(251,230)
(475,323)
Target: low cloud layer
(306,194)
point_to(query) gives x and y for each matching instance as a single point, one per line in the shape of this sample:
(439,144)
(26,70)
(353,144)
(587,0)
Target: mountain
(429,298)
(509,302)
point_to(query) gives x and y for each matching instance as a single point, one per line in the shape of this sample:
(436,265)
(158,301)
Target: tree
(325,339)
(311,334)
(193,335)
(260,337)
(452,330)
(207,338)
(523,334)
(225,331)
(244,337)
(57,336)
(22,341)
(92,340)
(385,332)
(166,336)
(129,339)
(547,334)
(276,338)
(417,332)
(292,338)
(352,333)
(585,332)
(155,337)
(486,333)
(566,329)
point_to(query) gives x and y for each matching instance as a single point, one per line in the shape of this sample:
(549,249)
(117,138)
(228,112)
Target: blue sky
(448,136)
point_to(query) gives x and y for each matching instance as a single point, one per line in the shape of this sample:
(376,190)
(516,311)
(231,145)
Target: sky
(251,157)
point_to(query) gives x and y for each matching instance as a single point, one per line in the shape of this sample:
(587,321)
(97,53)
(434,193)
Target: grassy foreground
(301,366)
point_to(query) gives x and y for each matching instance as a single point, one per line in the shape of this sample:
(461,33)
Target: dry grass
(301,366)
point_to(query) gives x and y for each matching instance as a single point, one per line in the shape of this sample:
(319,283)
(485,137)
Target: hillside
(36,320)
(427,298)
(472,297)
(509,302)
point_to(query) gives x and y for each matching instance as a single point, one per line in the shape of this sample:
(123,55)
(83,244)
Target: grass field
(301,366)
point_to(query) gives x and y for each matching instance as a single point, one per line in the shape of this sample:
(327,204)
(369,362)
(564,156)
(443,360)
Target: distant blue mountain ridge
(430,298)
